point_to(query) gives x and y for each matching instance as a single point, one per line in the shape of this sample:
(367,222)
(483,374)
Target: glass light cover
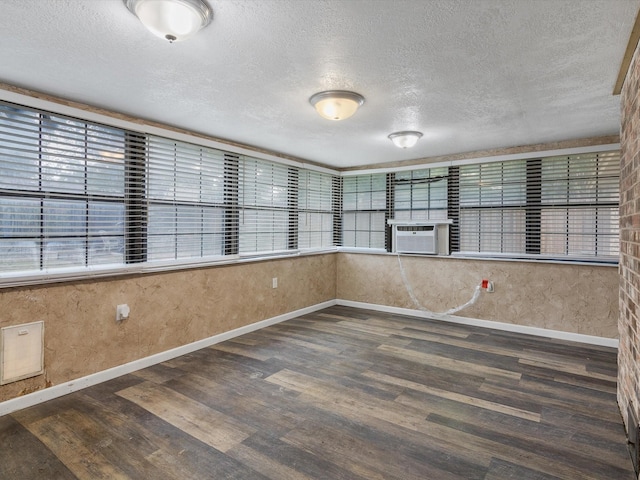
(405,139)
(173,20)
(336,104)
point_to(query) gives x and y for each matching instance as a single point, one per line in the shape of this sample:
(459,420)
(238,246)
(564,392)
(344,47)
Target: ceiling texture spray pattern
(469,74)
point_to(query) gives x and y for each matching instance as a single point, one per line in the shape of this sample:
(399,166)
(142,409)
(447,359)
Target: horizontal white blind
(364,205)
(185,200)
(266,194)
(492,207)
(559,206)
(76,195)
(61,192)
(315,209)
(580,205)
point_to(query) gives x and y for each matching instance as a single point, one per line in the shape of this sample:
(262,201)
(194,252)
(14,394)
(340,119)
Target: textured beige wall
(175,308)
(167,310)
(571,298)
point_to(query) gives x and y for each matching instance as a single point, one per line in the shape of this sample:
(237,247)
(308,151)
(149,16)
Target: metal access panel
(21,352)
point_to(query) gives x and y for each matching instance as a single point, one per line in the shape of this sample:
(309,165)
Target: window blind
(315,209)
(75,195)
(492,202)
(62,197)
(364,210)
(267,194)
(554,207)
(579,199)
(185,192)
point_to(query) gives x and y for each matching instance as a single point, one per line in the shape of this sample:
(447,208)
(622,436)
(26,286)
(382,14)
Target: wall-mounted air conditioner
(416,239)
(430,237)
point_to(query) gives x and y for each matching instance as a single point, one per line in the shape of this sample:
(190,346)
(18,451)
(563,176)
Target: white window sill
(491,257)
(19,279)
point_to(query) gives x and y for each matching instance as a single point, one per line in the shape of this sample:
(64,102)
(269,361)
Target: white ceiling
(470,74)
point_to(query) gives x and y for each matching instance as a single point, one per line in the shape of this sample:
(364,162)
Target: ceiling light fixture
(336,104)
(405,139)
(173,20)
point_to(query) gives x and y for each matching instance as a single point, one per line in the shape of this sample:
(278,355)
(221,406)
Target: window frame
(535,207)
(136,199)
(94,152)
(136,214)
(315,199)
(188,178)
(368,203)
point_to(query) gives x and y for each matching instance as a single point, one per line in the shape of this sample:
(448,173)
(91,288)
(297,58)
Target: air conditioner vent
(416,239)
(415,228)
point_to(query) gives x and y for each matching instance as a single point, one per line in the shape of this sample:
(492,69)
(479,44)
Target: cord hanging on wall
(416,302)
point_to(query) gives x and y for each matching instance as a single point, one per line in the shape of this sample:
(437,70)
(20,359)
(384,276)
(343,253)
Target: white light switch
(274,282)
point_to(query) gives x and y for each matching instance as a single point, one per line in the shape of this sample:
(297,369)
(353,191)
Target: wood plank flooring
(339,394)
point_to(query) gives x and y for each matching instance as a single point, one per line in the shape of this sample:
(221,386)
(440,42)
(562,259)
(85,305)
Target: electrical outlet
(487,285)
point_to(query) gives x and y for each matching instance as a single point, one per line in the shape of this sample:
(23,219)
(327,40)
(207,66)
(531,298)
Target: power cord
(416,302)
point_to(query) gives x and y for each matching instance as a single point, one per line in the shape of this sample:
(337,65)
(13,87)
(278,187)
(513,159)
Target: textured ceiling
(470,74)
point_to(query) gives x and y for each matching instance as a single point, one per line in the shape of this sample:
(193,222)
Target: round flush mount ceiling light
(405,139)
(173,20)
(336,104)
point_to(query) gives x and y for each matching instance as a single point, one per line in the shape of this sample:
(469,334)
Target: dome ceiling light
(173,20)
(405,139)
(336,104)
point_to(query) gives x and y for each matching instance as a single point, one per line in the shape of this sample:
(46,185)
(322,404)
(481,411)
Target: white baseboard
(509,327)
(56,391)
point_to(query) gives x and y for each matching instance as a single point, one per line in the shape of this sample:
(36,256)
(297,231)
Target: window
(420,194)
(562,207)
(364,211)
(492,204)
(186,203)
(77,196)
(559,207)
(315,209)
(266,190)
(61,192)
(579,205)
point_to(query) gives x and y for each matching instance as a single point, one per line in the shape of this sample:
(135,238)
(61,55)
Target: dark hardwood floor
(339,394)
